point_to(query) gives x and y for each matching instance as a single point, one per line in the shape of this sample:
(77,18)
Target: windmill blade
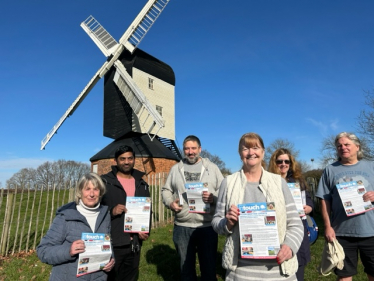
(137,100)
(75,104)
(142,23)
(106,43)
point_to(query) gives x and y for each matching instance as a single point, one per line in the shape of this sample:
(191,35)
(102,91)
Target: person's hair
(354,139)
(192,138)
(250,140)
(96,182)
(295,167)
(123,149)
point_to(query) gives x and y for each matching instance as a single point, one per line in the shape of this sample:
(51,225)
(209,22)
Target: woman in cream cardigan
(254,184)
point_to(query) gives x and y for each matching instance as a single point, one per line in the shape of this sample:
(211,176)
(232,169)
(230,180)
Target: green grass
(29,223)
(159,261)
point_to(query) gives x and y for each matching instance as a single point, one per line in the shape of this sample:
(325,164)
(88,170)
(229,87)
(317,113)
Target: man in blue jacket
(121,182)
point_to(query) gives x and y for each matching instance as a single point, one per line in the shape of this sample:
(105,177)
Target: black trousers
(126,267)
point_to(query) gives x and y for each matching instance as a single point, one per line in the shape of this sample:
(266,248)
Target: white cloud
(334,124)
(325,127)
(321,126)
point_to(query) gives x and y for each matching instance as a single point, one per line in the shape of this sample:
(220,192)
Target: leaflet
(351,195)
(195,201)
(138,215)
(258,231)
(97,254)
(297,195)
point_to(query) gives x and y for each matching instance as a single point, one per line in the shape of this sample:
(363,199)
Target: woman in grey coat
(62,244)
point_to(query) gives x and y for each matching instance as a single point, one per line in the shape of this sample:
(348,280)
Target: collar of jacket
(70,212)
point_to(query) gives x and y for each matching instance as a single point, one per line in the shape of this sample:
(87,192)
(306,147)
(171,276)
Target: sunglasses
(281,161)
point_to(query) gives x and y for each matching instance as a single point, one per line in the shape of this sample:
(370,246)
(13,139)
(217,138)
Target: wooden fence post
(8,215)
(71,194)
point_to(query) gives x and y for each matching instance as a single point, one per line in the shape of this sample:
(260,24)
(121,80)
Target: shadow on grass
(166,260)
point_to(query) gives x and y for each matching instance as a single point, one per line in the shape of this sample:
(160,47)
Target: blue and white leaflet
(297,196)
(258,230)
(351,195)
(194,192)
(98,251)
(138,215)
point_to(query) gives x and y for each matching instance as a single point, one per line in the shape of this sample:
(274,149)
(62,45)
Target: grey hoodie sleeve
(167,191)
(219,220)
(53,248)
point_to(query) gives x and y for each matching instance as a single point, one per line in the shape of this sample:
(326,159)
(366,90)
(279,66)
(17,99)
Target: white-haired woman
(62,244)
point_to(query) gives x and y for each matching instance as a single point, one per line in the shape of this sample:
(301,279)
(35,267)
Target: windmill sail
(142,23)
(106,43)
(72,107)
(148,116)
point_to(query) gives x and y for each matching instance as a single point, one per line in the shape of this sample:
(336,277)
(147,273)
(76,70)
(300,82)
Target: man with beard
(121,182)
(193,232)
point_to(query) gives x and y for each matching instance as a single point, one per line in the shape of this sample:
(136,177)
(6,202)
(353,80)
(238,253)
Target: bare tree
(56,173)
(21,178)
(280,143)
(304,166)
(328,150)
(366,118)
(216,160)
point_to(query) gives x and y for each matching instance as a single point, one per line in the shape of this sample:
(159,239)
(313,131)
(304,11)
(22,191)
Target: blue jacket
(67,227)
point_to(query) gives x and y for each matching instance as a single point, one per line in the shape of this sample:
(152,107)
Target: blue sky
(284,69)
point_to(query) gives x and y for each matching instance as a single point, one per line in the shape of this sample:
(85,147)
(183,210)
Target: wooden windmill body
(138,96)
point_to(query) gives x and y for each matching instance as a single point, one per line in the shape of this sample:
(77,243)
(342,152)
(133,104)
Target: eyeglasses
(281,161)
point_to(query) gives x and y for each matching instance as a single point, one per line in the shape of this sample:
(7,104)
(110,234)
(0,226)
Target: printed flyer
(97,254)
(258,231)
(351,195)
(195,201)
(297,195)
(138,215)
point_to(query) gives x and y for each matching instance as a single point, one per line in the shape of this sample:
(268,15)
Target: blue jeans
(203,241)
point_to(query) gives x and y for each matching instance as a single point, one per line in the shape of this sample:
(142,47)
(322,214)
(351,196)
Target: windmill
(147,119)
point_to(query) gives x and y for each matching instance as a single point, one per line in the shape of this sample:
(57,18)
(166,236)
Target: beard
(194,159)
(125,169)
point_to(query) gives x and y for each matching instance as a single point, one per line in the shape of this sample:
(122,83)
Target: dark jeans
(203,241)
(126,267)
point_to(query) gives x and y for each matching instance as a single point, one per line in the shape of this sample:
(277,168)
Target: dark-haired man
(193,232)
(121,182)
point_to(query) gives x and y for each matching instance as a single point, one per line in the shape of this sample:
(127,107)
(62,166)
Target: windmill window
(159,109)
(150,83)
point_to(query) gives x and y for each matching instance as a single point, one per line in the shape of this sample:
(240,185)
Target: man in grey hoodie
(193,232)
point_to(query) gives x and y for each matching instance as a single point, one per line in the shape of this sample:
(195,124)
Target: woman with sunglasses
(283,163)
